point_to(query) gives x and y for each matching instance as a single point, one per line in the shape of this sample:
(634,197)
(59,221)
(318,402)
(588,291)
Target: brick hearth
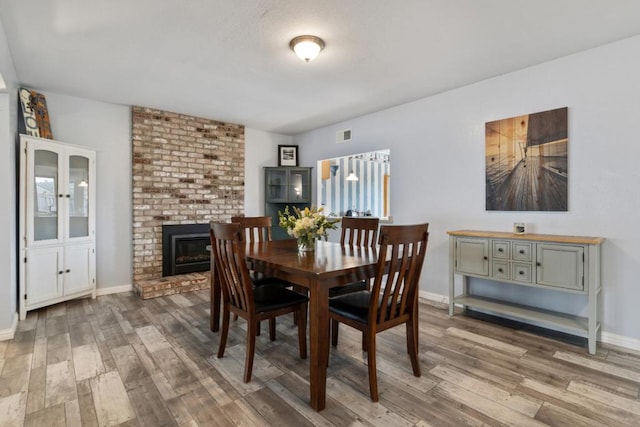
(152,288)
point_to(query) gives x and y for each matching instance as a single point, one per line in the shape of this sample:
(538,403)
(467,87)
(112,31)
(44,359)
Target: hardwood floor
(118,360)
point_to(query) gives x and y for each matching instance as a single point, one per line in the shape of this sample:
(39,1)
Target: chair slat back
(395,288)
(228,245)
(256,228)
(359,231)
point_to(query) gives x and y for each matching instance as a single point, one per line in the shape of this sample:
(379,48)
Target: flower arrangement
(306,225)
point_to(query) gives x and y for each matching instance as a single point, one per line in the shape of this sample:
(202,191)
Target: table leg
(214,283)
(319,342)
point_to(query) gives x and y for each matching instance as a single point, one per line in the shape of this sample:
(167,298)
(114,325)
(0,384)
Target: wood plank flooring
(119,360)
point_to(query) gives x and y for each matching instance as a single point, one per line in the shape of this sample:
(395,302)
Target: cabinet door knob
(68,196)
(500,270)
(500,250)
(522,251)
(539,264)
(485,258)
(61,195)
(60,272)
(521,273)
(67,271)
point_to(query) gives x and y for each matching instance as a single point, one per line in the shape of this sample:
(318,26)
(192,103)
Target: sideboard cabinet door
(560,266)
(472,256)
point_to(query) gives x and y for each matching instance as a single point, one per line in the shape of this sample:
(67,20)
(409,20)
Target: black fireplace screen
(184,248)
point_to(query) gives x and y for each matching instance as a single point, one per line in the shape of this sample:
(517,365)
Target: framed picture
(526,160)
(287,155)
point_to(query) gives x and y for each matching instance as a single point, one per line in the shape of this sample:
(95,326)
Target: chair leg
(371,361)
(411,347)
(251,349)
(302,330)
(258,329)
(334,332)
(364,341)
(272,329)
(416,335)
(300,290)
(327,354)
(224,332)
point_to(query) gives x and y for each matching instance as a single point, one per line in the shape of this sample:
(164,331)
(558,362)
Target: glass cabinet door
(58,183)
(46,195)
(276,185)
(288,185)
(299,186)
(78,196)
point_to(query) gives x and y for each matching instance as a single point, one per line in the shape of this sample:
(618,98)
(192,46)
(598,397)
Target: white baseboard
(433,297)
(621,341)
(8,334)
(605,337)
(113,290)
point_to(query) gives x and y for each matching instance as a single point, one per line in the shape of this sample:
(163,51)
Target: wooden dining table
(330,265)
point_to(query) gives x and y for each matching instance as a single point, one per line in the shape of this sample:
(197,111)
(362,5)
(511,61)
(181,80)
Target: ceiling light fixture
(306,47)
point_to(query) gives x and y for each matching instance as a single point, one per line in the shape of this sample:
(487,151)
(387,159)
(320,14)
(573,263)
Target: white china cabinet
(57,222)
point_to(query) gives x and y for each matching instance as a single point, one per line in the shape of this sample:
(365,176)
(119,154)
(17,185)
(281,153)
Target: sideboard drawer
(501,270)
(500,249)
(522,251)
(521,272)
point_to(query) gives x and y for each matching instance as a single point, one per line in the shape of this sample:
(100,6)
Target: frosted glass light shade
(307,47)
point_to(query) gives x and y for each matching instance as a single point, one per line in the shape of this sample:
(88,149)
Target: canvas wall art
(526,162)
(33,115)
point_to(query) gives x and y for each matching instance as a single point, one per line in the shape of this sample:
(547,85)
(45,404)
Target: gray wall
(437,157)
(106,128)
(261,149)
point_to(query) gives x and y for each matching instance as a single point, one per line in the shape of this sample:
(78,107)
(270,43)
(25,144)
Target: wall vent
(343,136)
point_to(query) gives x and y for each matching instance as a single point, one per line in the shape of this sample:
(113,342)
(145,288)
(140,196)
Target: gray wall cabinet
(285,186)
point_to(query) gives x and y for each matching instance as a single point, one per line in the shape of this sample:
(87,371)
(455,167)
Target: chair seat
(274,297)
(271,281)
(353,306)
(351,287)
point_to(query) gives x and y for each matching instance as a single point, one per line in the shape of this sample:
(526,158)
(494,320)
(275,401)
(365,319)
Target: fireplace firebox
(184,248)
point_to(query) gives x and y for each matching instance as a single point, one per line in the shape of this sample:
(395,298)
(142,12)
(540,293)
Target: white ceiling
(229,60)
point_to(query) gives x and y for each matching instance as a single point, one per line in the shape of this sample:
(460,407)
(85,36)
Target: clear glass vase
(306,244)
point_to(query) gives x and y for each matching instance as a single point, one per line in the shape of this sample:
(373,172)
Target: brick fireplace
(186,170)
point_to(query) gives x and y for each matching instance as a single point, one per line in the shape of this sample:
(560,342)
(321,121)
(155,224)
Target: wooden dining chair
(257,228)
(393,298)
(361,232)
(253,304)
